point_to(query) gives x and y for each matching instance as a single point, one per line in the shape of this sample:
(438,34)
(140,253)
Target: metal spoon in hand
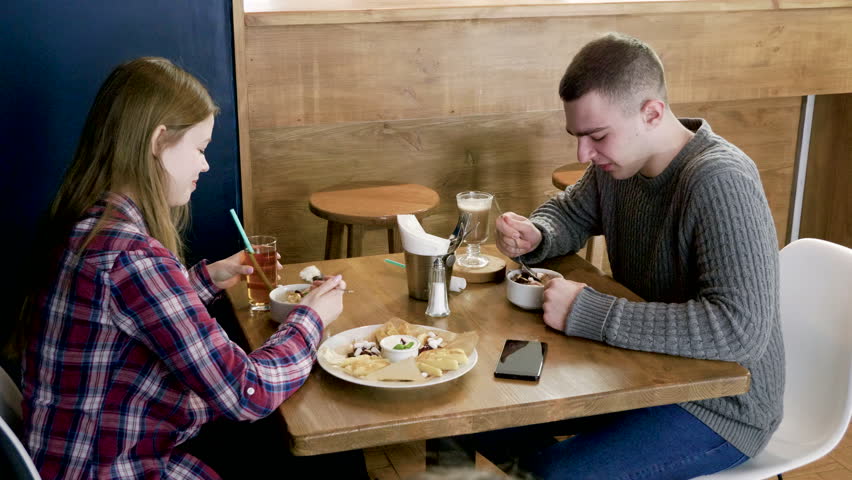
(313,274)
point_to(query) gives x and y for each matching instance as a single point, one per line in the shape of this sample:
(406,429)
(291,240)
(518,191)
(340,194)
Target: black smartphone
(521,360)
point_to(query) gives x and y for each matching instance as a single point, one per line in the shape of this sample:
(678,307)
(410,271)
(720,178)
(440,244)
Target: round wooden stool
(368,205)
(569,175)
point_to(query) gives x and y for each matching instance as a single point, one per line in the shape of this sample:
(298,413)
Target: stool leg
(595,251)
(590,249)
(394,242)
(354,240)
(333,240)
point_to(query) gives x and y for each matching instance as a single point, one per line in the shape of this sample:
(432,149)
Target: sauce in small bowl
(399,347)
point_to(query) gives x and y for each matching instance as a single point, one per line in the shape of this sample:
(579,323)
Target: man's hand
(516,235)
(559,297)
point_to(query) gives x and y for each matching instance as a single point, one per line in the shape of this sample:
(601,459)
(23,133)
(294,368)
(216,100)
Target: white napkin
(415,240)
(457,284)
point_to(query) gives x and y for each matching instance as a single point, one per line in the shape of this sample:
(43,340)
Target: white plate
(361,333)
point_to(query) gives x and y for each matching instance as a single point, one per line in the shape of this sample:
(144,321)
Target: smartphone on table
(521,360)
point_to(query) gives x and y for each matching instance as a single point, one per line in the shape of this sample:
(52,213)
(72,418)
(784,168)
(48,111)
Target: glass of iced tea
(478,204)
(265,252)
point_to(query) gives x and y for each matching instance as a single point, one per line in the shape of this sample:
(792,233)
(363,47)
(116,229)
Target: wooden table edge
(535,413)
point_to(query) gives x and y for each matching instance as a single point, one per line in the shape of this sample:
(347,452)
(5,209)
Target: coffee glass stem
(478,206)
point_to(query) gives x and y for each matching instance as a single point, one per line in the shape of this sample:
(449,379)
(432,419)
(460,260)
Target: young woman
(122,362)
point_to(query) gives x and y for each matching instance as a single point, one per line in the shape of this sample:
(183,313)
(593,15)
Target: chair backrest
(10,402)
(816,319)
(15,462)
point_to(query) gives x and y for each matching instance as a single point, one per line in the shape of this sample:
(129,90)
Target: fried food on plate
(429,369)
(362,365)
(440,352)
(403,371)
(446,359)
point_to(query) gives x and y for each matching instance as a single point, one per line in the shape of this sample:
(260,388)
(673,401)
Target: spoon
(526,271)
(459,232)
(317,275)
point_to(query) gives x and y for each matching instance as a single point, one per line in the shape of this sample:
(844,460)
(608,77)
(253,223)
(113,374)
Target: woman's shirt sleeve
(199,278)
(155,303)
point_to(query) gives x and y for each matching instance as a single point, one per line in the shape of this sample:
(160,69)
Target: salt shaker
(438,304)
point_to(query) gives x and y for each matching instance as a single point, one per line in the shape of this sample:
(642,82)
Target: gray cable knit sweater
(698,243)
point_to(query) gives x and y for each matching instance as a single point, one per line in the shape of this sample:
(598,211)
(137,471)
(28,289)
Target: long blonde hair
(115,154)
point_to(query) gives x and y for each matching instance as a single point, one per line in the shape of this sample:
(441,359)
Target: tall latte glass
(265,249)
(478,204)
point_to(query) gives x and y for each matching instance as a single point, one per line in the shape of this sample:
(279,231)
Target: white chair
(816,319)
(10,402)
(15,462)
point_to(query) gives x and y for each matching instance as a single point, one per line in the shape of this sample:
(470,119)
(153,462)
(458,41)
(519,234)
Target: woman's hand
(226,273)
(516,235)
(326,298)
(559,297)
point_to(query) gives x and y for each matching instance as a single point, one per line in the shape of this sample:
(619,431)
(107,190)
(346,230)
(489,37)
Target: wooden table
(580,377)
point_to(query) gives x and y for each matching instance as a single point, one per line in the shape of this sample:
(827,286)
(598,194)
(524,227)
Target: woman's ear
(157,140)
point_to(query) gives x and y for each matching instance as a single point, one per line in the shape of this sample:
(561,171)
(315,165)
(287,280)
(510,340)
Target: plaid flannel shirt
(125,362)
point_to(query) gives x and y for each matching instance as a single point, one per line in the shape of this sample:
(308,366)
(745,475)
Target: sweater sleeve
(734,246)
(154,303)
(572,217)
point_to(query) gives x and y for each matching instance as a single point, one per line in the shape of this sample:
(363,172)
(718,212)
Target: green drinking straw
(242,232)
(251,251)
(395,263)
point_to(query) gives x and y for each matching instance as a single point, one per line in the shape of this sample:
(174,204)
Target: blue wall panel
(55,56)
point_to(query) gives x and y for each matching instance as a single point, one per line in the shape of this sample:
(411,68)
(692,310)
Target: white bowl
(279,307)
(528,297)
(395,355)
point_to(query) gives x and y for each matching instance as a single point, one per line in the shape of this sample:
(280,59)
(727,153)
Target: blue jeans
(665,442)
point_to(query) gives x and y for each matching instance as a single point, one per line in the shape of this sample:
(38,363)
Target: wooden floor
(398,462)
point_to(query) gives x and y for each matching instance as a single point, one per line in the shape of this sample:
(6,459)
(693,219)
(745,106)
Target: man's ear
(652,112)
(157,140)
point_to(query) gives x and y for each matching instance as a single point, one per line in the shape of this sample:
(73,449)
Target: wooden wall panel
(827,207)
(241,85)
(311,12)
(327,74)
(511,155)
(296,12)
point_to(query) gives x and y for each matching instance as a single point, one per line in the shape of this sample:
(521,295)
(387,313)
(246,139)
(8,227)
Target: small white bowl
(528,297)
(395,355)
(279,307)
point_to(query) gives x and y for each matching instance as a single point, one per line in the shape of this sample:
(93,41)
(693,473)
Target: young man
(688,228)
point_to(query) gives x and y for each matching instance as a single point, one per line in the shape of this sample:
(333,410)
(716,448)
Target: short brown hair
(619,67)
